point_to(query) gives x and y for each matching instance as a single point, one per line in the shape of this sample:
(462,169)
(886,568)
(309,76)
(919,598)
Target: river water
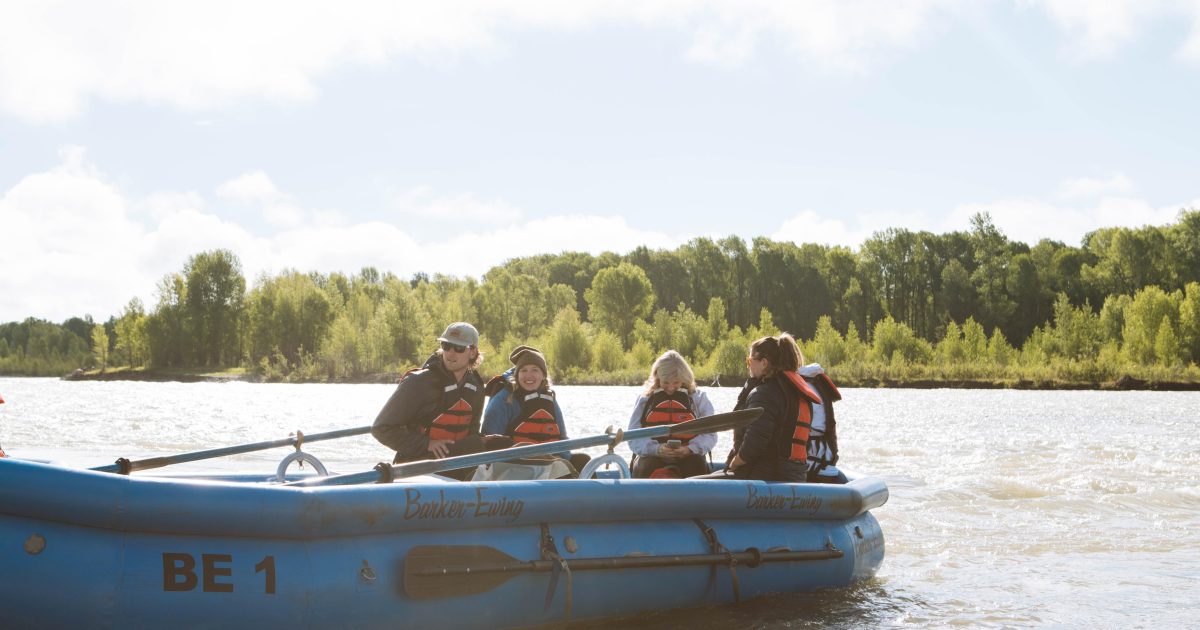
(1074,509)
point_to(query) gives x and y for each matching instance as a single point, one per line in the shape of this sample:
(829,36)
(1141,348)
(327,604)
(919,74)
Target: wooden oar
(433,571)
(384,473)
(125,466)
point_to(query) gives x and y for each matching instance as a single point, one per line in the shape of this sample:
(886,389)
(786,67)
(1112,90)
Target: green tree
(950,350)
(569,347)
(213,306)
(1126,259)
(827,347)
(165,328)
(607,354)
(958,294)
(895,341)
(100,346)
(1143,319)
(287,314)
(1112,317)
(992,258)
(998,349)
(1166,343)
(132,342)
(1189,322)
(717,323)
(618,297)
(857,350)
(1183,248)
(729,357)
(974,340)
(1076,330)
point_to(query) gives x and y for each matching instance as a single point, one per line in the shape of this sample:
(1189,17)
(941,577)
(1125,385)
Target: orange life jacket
(455,422)
(535,423)
(799,448)
(665,409)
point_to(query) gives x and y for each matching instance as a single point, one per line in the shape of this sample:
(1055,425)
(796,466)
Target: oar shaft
(430,466)
(126,466)
(384,473)
(750,558)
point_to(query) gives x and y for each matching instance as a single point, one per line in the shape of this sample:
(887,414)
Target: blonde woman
(670,397)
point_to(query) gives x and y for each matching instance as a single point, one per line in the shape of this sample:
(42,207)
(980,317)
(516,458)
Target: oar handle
(384,473)
(125,466)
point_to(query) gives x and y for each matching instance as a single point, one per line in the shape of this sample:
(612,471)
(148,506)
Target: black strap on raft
(716,547)
(385,472)
(550,552)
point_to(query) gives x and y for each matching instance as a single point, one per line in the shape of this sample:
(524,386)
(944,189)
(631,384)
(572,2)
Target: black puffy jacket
(766,443)
(403,422)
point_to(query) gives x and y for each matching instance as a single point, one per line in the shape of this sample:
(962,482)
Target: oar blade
(718,422)
(436,571)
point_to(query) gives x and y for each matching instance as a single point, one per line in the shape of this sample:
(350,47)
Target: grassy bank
(1048,377)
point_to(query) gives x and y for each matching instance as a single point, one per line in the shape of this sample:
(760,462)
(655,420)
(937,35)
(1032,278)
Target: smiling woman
(524,408)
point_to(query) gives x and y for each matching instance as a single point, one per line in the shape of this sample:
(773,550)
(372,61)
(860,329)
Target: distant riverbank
(1125,383)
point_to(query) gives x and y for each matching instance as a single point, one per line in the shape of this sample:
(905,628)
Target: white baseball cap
(460,333)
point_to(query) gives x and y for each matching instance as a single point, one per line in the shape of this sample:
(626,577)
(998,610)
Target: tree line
(906,304)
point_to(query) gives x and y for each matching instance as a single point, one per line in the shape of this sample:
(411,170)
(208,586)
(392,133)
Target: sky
(449,137)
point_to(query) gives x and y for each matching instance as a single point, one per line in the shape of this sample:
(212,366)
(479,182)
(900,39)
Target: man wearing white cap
(435,411)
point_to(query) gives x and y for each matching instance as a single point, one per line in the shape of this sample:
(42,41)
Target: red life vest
(665,409)
(535,423)
(454,423)
(799,448)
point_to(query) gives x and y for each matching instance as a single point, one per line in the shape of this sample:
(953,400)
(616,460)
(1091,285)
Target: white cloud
(1084,187)
(253,187)
(452,210)
(55,57)
(1190,51)
(1098,29)
(1030,220)
(257,189)
(73,243)
(834,33)
(1077,207)
(586,233)
(67,244)
(811,227)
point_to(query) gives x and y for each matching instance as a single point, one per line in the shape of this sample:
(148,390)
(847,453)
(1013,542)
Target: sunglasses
(453,347)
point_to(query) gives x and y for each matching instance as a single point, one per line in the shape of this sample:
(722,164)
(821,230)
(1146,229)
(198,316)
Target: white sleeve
(704,443)
(640,446)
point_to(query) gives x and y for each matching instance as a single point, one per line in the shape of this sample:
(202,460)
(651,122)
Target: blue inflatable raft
(93,549)
(89,549)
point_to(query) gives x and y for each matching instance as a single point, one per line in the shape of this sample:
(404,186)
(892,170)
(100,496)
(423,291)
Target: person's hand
(737,462)
(671,453)
(439,448)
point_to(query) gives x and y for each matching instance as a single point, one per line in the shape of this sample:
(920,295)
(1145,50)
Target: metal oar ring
(302,457)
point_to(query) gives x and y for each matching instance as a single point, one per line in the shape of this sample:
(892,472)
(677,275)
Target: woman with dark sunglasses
(435,411)
(775,446)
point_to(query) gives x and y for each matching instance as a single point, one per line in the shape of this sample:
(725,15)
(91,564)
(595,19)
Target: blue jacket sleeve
(558,417)
(498,414)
